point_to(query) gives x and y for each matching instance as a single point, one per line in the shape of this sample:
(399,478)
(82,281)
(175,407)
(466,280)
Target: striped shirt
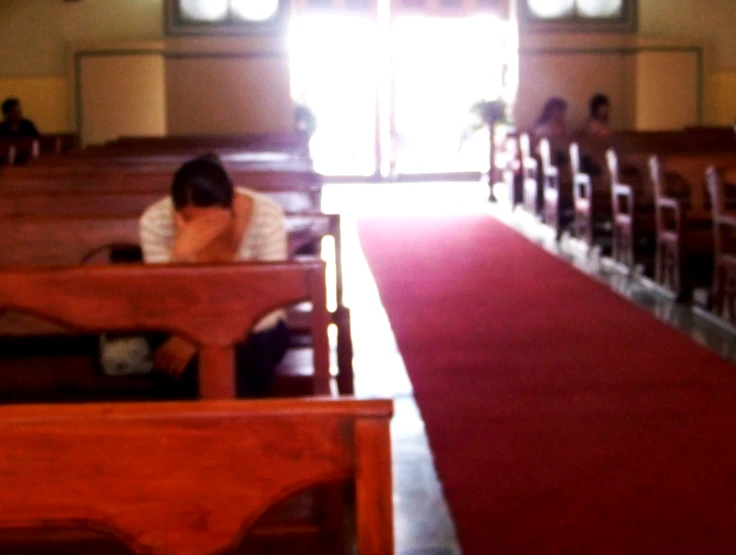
(264,238)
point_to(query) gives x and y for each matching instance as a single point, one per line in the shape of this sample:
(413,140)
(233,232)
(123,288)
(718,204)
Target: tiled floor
(422,521)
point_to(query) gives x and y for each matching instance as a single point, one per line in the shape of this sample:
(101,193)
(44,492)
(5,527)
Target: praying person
(207,220)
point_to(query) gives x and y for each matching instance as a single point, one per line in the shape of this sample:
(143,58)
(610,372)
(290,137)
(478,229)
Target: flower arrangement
(489,112)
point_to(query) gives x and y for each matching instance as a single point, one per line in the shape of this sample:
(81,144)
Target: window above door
(223,17)
(578,15)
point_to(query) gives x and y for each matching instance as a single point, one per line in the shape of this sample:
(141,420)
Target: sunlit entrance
(334,74)
(392,99)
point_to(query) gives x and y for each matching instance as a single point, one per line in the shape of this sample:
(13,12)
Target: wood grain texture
(213,306)
(189,478)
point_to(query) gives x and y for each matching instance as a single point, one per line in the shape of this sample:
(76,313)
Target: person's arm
(157,235)
(273,246)
(157,239)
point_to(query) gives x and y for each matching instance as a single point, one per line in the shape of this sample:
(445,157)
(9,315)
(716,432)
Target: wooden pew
(82,235)
(190,478)
(592,219)
(556,176)
(293,191)
(508,167)
(632,202)
(293,142)
(213,306)
(26,150)
(77,203)
(19,151)
(724,235)
(531,180)
(685,247)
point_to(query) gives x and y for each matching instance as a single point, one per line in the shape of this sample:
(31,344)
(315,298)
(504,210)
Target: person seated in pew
(207,220)
(552,122)
(14,125)
(600,108)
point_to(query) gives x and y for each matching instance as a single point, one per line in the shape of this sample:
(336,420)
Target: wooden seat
(190,478)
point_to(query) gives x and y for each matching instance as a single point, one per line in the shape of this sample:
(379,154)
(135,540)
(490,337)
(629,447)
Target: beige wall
(38,37)
(652,83)
(710,22)
(122,95)
(36,33)
(45,100)
(576,75)
(192,86)
(667,85)
(667,90)
(232,94)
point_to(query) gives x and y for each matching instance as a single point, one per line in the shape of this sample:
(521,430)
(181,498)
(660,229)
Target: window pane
(600,8)
(550,9)
(204,10)
(254,10)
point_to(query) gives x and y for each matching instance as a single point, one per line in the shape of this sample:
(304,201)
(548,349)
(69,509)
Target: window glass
(551,9)
(254,10)
(600,8)
(204,10)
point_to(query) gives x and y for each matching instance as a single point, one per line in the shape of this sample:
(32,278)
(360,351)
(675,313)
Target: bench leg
(345,384)
(374,490)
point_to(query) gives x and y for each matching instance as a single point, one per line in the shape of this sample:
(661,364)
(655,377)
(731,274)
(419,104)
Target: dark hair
(596,102)
(554,104)
(9,104)
(202,182)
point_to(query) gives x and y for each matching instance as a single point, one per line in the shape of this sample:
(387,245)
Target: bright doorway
(392,99)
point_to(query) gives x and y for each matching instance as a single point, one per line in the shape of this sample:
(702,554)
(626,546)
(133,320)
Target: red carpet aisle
(563,419)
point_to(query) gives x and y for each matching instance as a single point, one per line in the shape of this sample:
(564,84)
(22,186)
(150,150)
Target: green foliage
(489,112)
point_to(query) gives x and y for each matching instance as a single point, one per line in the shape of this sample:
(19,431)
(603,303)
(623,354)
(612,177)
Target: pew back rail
(190,478)
(213,306)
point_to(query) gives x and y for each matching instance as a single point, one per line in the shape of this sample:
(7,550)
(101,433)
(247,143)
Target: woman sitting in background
(600,108)
(552,121)
(207,220)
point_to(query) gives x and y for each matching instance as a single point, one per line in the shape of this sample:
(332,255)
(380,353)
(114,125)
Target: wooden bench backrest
(294,141)
(190,478)
(724,221)
(718,178)
(66,229)
(61,241)
(293,191)
(79,204)
(213,306)
(688,172)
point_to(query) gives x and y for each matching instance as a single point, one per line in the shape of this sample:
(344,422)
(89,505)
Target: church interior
(372,277)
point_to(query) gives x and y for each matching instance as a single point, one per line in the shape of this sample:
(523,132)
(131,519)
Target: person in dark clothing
(14,125)
(600,108)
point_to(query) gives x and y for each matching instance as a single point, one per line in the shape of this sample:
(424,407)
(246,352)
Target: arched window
(585,15)
(222,16)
